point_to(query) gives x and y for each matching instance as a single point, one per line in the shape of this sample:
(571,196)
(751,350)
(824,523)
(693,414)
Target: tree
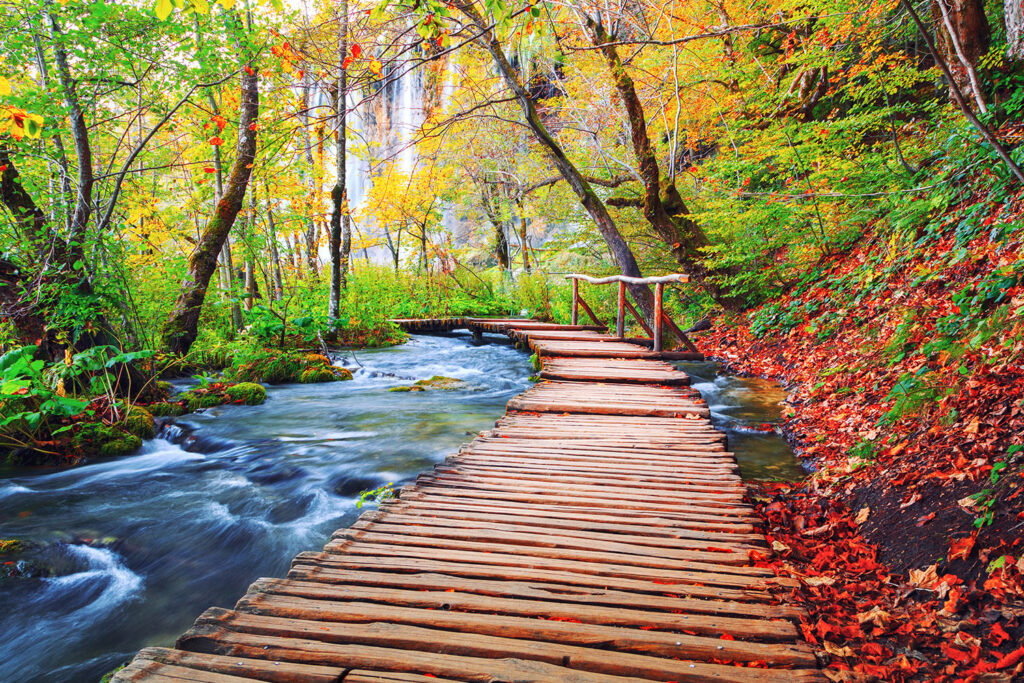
(183,323)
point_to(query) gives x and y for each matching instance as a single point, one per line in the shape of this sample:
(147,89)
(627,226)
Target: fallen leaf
(862,516)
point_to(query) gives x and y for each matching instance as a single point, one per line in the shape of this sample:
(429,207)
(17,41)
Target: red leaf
(998,634)
(1011,659)
(209,169)
(356,50)
(346,62)
(215,141)
(248,70)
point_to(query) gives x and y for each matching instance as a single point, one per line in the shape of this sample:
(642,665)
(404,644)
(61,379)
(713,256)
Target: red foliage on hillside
(907,395)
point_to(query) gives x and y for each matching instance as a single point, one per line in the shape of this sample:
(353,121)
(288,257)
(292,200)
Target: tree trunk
(663,207)
(524,239)
(339,195)
(1013,15)
(488,200)
(965,40)
(311,170)
(620,252)
(275,257)
(183,324)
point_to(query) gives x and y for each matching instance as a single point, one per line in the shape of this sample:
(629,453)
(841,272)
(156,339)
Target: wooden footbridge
(597,533)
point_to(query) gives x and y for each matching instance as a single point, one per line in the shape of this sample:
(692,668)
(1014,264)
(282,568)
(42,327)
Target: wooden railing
(661,320)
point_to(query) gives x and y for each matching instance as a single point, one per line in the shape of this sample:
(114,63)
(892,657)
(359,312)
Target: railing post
(620,320)
(659,294)
(575,301)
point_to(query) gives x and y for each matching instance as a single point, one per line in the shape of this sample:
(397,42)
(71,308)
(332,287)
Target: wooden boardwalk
(597,533)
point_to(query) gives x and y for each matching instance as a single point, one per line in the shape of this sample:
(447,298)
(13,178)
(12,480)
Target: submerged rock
(441,382)
(435,383)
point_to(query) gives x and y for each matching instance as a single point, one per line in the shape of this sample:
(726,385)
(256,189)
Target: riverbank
(906,393)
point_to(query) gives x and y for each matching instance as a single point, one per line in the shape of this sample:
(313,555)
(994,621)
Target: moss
(104,441)
(412,388)
(110,674)
(316,359)
(139,422)
(342,373)
(165,409)
(249,393)
(535,362)
(441,382)
(195,400)
(317,374)
(11,545)
(165,388)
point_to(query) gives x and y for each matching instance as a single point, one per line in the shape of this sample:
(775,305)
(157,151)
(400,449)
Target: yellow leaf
(163,9)
(227,4)
(5,86)
(375,67)
(201,6)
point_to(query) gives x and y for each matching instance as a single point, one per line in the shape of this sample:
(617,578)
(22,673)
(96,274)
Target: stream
(126,553)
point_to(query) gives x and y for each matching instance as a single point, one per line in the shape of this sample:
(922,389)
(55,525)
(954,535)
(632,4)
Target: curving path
(597,533)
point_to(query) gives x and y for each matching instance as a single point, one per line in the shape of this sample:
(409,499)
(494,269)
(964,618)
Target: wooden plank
(218,640)
(414,638)
(683,575)
(540,543)
(642,533)
(539,591)
(697,622)
(248,669)
(328,562)
(653,642)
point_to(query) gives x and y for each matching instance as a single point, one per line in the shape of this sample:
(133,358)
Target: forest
(200,200)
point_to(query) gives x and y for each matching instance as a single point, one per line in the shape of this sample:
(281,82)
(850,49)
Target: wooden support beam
(620,319)
(659,295)
(575,302)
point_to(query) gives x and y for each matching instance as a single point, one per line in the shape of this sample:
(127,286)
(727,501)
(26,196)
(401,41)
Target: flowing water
(748,410)
(126,553)
(133,549)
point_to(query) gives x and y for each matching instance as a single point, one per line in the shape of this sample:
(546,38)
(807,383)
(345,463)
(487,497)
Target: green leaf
(163,9)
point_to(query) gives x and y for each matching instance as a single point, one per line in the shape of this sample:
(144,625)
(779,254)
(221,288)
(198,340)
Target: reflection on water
(127,552)
(747,409)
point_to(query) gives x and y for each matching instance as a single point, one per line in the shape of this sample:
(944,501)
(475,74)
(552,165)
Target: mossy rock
(403,389)
(166,409)
(165,388)
(11,545)
(317,374)
(316,359)
(442,383)
(249,393)
(106,442)
(535,362)
(139,422)
(343,374)
(196,400)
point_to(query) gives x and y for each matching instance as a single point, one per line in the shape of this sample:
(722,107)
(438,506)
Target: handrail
(662,279)
(659,294)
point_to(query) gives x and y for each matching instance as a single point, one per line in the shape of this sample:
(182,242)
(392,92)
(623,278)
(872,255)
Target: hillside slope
(903,357)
